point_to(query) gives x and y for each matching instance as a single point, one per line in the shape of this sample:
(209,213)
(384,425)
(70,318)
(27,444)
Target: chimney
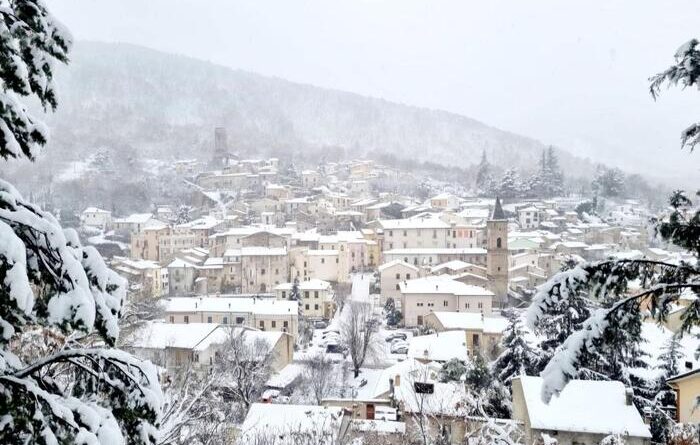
(629,397)
(397,380)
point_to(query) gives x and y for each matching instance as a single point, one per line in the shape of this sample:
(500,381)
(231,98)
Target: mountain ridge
(168,105)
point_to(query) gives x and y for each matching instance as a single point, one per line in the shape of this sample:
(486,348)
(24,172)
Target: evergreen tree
(553,178)
(484,176)
(518,356)
(295,294)
(481,383)
(685,73)
(608,182)
(182,214)
(87,392)
(663,408)
(393,315)
(453,370)
(510,185)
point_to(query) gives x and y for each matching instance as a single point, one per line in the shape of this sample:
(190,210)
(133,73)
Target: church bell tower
(497,254)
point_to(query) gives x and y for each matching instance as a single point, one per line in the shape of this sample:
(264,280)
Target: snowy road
(360,288)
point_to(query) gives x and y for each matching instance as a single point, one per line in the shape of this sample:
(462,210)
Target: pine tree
(182,214)
(685,73)
(484,176)
(453,370)
(663,408)
(518,356)
(553,177)
(50,282)
(510,185)
(608,182)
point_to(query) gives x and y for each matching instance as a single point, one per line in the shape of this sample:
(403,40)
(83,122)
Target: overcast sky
(565,72)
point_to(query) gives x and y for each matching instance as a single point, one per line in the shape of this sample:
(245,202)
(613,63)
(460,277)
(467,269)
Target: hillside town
(384,317)
(276,223)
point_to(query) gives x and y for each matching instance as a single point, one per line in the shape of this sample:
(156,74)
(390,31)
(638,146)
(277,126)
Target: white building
(584,413)
(422,296)
(94,217)
(391,275)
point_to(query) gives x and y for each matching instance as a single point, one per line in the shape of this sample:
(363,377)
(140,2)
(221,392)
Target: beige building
(687,387)
(419,232)
(584,413)
(482,334)
(145,277)
(422,296)
(392,274)
(316,297)
(179,346)
(266,314)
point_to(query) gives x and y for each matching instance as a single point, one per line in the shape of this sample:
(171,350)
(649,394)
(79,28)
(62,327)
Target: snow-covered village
(273,223)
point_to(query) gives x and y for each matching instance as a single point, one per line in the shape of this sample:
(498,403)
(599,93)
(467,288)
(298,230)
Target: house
(585,412)
(95,217)
(178,346)
(132,223)
(529,217)
(422,296)
(316,297)
(483,334)
(391,274)
(254,312)
(145,275)
(278,424)
(422,231)
(687,387)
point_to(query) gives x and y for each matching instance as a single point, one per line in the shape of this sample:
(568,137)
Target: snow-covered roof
(96,210)
(136,218)
(440,347)
(312,284)
(454,265)
(441,284)
(256,251)
(471,321)
(396,263)
(284,424)
(437,251)
(194,336)
(268,306)
(586,406)
(413,223)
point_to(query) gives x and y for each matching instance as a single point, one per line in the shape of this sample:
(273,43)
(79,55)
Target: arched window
(498,243)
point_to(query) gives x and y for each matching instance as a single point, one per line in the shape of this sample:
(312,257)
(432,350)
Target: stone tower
(220,156)
(497,254)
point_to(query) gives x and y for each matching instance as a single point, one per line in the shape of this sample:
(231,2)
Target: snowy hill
(168,105)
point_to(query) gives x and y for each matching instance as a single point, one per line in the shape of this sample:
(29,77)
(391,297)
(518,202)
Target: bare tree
(194,411)
(320,377)
(246,366)
(357,331)
(342,294)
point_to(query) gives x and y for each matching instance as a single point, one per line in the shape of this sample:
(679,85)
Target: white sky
(572,73)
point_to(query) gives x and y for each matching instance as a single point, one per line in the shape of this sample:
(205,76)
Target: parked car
(396,335)
(320,324)
(401,349)
(399,345)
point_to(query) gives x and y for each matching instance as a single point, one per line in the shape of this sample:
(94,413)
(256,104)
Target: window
(274,323)
(454,234)
(391,233)
(284,294)
(262,324)
(285,324)
(225,320)
(444,303)
(434,234)
(398,287)
(408,276)
(239,320)
(466,305)
(431,304)
(336,261)
(315,307)
(306,307)
(209,319)
(398,276)
(277,271)
(306,294)
(498,243)
(262,271)
(480,305)
(419,304)
(187,318)
(172,318)
(405,233)
(304,263)
(323,261)
(315,294)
